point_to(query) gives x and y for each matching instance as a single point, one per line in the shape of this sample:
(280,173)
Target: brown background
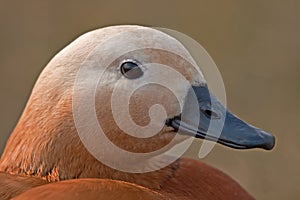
(255,44)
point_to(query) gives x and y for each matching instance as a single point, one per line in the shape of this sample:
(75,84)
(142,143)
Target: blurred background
(255,44)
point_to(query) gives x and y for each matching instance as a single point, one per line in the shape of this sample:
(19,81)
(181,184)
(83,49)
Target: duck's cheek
(153,104)
(140,126)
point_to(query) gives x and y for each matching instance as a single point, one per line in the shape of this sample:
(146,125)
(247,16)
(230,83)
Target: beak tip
(269,141)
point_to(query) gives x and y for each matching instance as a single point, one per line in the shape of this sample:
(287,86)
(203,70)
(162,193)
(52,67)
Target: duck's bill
(203,116)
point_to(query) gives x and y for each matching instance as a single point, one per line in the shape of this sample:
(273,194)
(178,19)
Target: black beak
(203,116)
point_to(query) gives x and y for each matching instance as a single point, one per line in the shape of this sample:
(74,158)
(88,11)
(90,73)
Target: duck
(104,115)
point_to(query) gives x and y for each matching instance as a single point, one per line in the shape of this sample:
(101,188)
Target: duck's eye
(131,69)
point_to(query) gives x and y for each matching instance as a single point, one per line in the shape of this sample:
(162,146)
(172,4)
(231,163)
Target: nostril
(210,114)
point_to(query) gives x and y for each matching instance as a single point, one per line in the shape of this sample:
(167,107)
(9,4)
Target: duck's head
(138,86)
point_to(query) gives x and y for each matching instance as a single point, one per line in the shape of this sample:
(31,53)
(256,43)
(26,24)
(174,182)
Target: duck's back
(13,185)
(91,189)
(190,180)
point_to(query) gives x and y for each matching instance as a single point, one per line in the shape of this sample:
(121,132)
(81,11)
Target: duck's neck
(54,161)
(58,154)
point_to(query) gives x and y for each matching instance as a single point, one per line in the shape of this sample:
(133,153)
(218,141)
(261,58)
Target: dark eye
(131,69)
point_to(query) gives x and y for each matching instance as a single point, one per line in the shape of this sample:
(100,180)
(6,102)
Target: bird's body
(189,180)
(52,143)
(92,189)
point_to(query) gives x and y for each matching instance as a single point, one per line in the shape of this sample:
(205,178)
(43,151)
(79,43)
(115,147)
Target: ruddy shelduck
(46,145)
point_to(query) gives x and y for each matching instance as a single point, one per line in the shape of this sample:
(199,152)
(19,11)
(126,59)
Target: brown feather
(13,185)
(92,189)
(194,180)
